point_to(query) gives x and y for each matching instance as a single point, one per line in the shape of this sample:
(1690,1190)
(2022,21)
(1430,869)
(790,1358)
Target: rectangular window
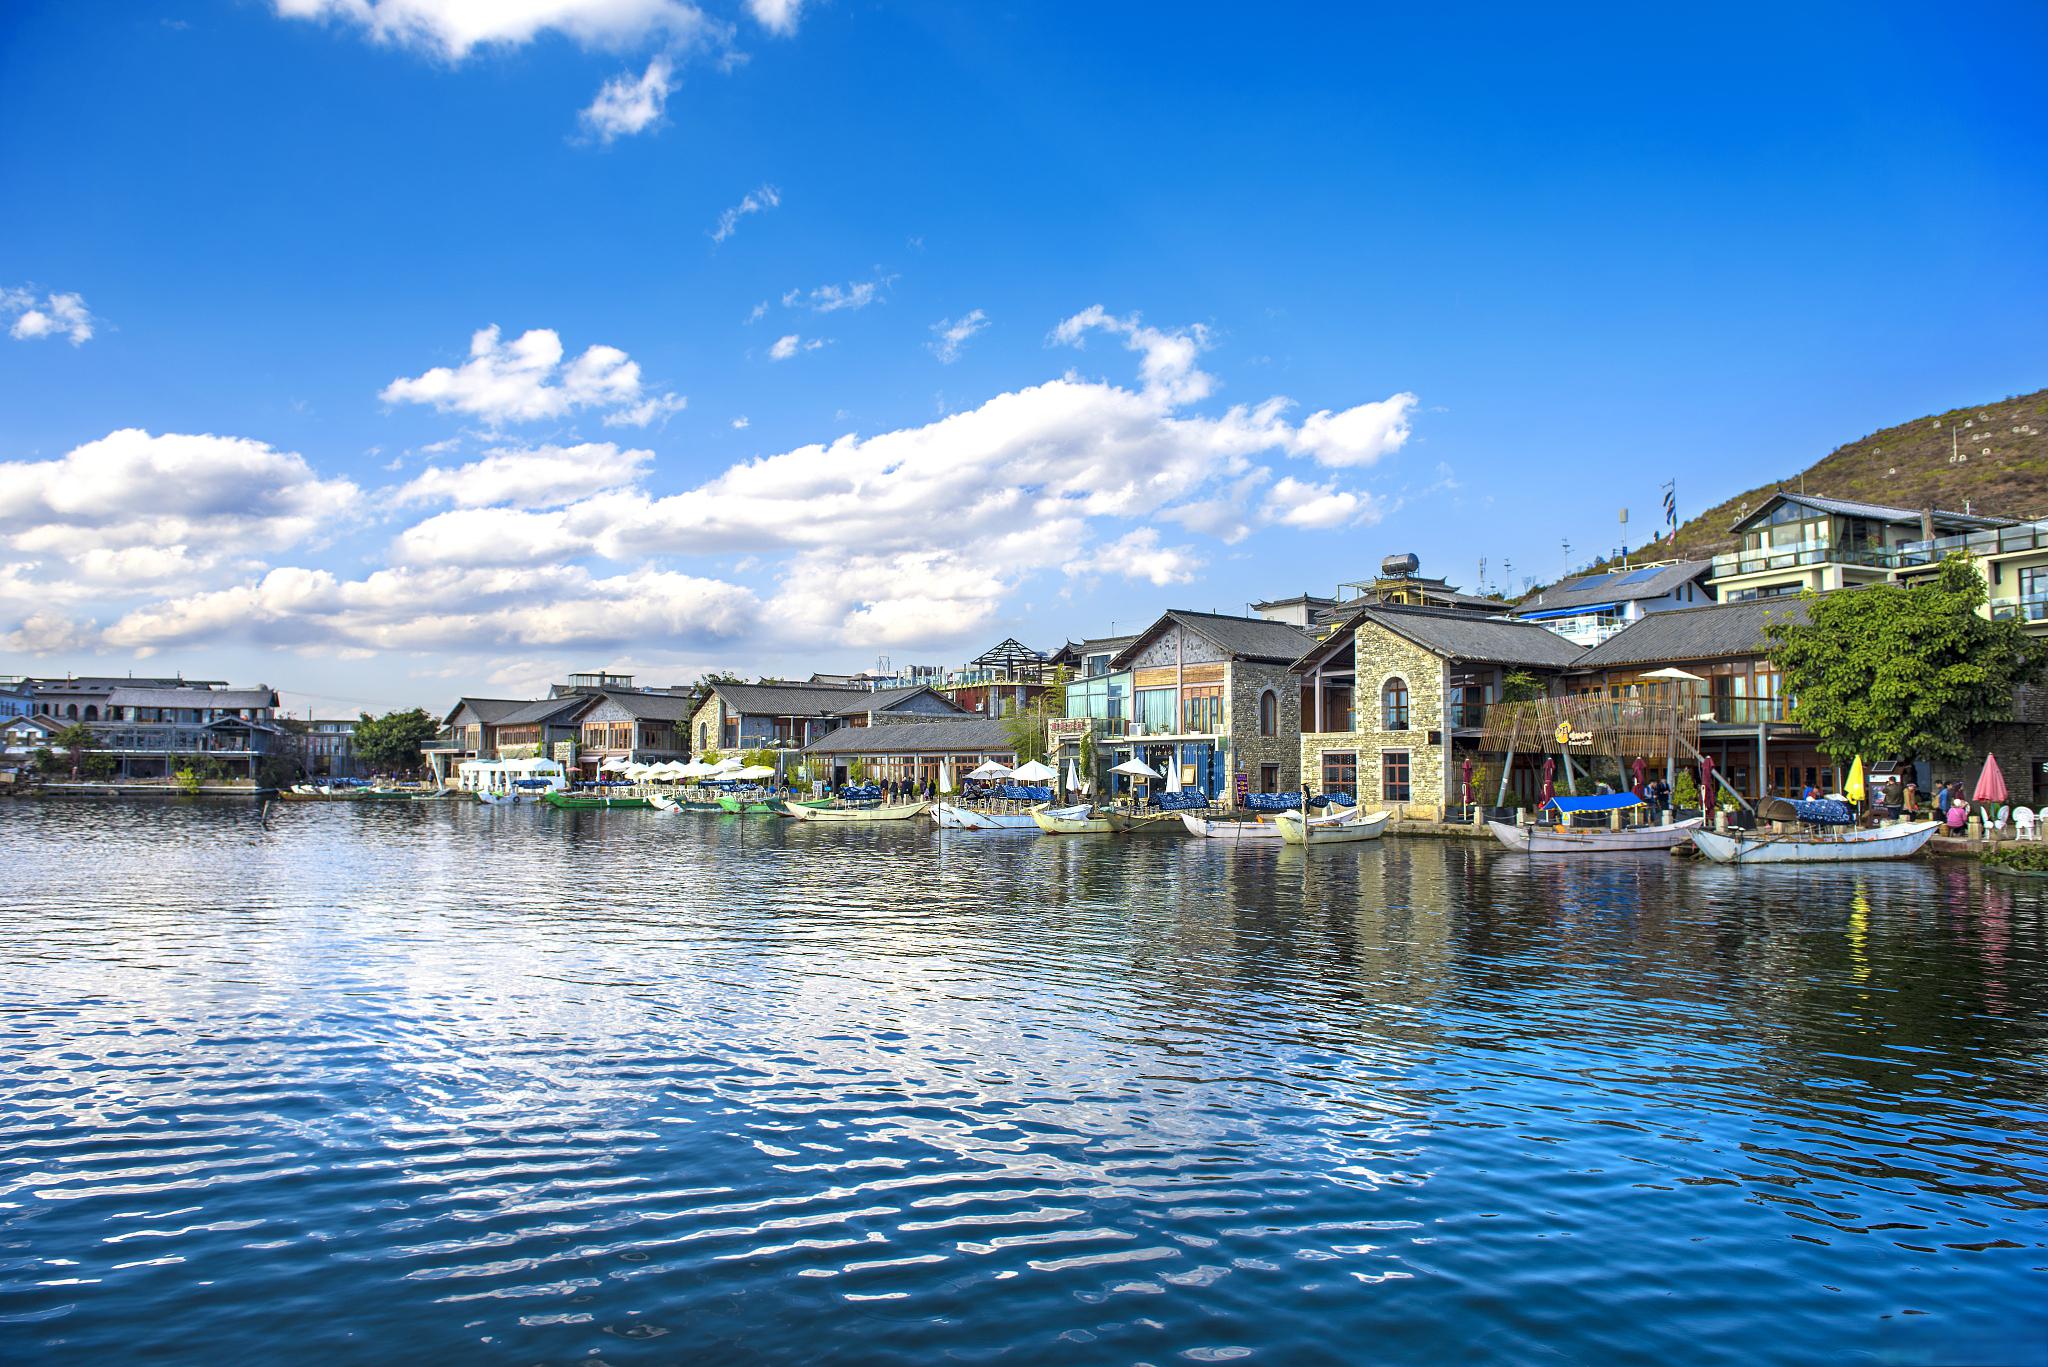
(1394,776)
(1340,772)
(1153,709)
(1202,710)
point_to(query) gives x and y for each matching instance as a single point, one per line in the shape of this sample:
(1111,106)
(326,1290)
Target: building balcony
(2031,609)
(2028,536)
(1804,555)
(1745,711)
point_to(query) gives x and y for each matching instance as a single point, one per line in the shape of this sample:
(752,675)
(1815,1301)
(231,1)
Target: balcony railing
(2029,608)
(1747,711)
(1466,716)
(2028,536)
(1801,555)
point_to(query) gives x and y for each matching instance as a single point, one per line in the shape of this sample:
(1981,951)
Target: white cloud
(790,344)
(536,477)
(1317,507)
(857,294)
(759,201)
(1168,364)
(447,610)
(629,104)
(777,16)
(59,315)
(739,424)
(203,497)
(952,334)
(1356,436)
(524,380)
(758,312)
(1137,554)
(451,29)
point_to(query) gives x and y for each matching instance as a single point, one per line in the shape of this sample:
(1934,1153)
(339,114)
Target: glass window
(1154,708)
(1340,772)
(1394,705)
(1202,709)
(1394,776)
(1269,716)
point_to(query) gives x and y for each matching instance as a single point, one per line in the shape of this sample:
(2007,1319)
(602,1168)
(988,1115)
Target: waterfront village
(1398,692)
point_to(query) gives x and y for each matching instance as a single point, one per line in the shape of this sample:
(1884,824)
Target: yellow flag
(1854,787)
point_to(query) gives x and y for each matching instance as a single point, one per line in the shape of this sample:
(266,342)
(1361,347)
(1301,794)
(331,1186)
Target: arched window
(71,712)
(703,735)
(1394,705)
(1269,713)
(92,713)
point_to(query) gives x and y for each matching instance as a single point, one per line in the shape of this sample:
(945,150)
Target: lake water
(443,1083)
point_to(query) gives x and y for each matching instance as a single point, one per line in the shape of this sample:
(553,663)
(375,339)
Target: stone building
(1396,697)
(1216,696)
(741,716)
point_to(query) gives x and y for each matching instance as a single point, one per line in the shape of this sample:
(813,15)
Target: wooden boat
(953,817)
(1591,839)
(1352,828)
(1902,841)
(1145,823)
(1256,828)
(585,802)
(902,811)
(1081,820)
(787,806)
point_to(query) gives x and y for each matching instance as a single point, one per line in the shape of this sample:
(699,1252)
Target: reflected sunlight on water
(404,1083)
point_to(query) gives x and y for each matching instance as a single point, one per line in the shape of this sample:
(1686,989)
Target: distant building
(741,716)
(911,749)
(329,748)
(1589,609)
(84,697)
(1400,582)
(153,727)
(999,682)
(1089,659)
(1795,542)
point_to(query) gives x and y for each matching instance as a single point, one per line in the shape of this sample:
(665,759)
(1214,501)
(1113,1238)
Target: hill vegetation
(1988,458)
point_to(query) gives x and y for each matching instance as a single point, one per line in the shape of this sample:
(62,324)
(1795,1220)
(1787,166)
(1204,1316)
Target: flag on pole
(1671,508)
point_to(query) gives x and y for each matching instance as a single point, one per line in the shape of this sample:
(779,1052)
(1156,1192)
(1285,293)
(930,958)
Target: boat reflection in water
(449,1082)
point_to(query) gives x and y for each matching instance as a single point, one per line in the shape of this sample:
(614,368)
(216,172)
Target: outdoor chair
(2023,824)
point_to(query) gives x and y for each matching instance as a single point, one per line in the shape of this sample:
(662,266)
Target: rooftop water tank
(1400,566)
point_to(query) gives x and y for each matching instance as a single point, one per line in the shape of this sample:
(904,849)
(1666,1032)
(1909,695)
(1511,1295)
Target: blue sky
(1509,271)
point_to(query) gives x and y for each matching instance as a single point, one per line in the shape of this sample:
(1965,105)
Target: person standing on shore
(1911,801)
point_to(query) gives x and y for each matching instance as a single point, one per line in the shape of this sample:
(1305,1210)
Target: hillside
(1992,457)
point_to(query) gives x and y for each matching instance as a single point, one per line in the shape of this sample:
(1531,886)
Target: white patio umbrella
(1032,771)
(615,764)
(1136,768)
(728,765)
(1073,777)
(988,769)
(946,775)
(755,771)
(1173,777)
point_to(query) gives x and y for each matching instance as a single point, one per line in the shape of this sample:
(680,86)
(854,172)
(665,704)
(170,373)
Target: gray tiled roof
(192,697)
(787,700)
(1611,590)
(1459,635)
(936,736)
(652,706)
(1703,633)
(882,699)
(546,710)
(489,711)
(1879,511)
(1243,638)
(1094,645)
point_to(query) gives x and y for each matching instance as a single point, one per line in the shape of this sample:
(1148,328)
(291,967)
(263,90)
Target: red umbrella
(1639,774)
(1707,783)
(1990,784)
(1466,767)
(1549,787)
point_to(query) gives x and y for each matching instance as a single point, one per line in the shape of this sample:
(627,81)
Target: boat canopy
(1825,811)
(1187,800)
(1598,802)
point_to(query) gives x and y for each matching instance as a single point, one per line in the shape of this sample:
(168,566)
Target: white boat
(902,811)
(1350,828)
(1879,842)
(1081,820)
(1258,828)
(953,817)
(1591,839)
(664,803)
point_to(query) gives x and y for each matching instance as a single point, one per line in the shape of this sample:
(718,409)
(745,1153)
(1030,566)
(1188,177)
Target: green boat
(582,802)
(750,806)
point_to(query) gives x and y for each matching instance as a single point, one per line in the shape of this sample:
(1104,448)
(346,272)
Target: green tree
(1902,672)
(188,781)
(1519,685)
(77,742)
(392,742)
(857,770)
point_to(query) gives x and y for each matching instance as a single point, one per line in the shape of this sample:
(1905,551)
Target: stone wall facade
(1249,750)
(1382,656)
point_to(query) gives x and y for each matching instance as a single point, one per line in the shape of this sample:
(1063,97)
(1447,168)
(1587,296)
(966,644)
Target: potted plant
(1685,798)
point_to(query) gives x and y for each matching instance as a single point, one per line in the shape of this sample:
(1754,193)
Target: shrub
(187,780)
(2028,858)
(1685,791)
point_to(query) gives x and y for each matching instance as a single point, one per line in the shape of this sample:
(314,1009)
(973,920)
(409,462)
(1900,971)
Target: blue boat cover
(860,792)
(1186,800)
(1332,800)
(1272,802)
(1825,811)
(1024,792)
(1598,802)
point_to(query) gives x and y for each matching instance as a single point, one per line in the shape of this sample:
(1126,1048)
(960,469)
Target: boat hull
(1146,823)
(1879,842)
(1346,832)
(902,811)
(573,802)
(1631,840)
(1249,832)
(955,818)
(1070,821)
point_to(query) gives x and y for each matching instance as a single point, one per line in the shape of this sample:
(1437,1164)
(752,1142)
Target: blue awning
(1599,802)
(1568,612)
